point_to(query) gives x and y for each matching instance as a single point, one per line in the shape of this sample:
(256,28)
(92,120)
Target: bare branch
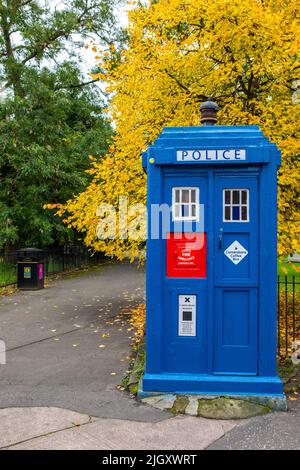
(186,89)
(77,85)
(181,85)
(44,46)
(25,2)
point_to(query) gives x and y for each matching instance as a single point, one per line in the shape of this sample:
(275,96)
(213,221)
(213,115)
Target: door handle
(221,239)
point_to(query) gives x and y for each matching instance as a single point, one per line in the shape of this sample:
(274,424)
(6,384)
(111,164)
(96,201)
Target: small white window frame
(189,218)
(240,221)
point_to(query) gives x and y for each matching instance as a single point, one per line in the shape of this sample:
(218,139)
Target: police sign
(211,155)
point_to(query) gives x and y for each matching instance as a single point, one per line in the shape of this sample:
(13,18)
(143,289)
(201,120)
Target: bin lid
(30,250)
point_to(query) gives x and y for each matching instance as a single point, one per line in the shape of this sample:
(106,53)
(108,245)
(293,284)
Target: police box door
(185,276)
(236,258)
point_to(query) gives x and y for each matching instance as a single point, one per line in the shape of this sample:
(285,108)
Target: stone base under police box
(262,390)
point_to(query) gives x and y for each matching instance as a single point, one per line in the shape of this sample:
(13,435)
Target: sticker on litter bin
(41,271)
(27,272)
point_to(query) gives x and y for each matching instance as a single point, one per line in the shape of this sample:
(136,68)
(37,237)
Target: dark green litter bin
(30,269)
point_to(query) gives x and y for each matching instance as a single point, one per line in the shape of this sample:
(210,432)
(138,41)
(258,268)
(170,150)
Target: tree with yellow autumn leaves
(243,54)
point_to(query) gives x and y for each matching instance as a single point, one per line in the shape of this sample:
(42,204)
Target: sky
(121,14)
(87,55)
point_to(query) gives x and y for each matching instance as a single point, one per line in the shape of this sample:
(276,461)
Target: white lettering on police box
(236,252)
(210,155)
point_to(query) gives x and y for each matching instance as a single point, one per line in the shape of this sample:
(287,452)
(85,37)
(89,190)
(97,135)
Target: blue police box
(211,260)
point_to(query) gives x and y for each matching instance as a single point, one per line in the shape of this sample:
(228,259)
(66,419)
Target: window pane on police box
(185,195)
(177,211)
(244,197)
(227,196)
(185,210)
(193,210)
(227,213)
(235,213)
(193,195)
(244,213)
(235,197)
(177,195)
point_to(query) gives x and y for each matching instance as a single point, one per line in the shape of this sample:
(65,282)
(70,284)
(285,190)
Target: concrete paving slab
(178,433)
(22,424)
(276,431)
(162,402)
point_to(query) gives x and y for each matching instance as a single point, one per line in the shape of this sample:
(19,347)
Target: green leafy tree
(50,114)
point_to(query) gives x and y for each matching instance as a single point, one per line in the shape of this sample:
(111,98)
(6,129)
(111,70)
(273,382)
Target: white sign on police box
(236,252)
(187,315)
(210,155)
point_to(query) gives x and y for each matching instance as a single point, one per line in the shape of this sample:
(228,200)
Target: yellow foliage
(138,320)
(53,206)
(244,54)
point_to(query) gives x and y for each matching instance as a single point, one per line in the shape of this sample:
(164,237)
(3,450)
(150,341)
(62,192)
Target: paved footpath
(58,388)
(275,431)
